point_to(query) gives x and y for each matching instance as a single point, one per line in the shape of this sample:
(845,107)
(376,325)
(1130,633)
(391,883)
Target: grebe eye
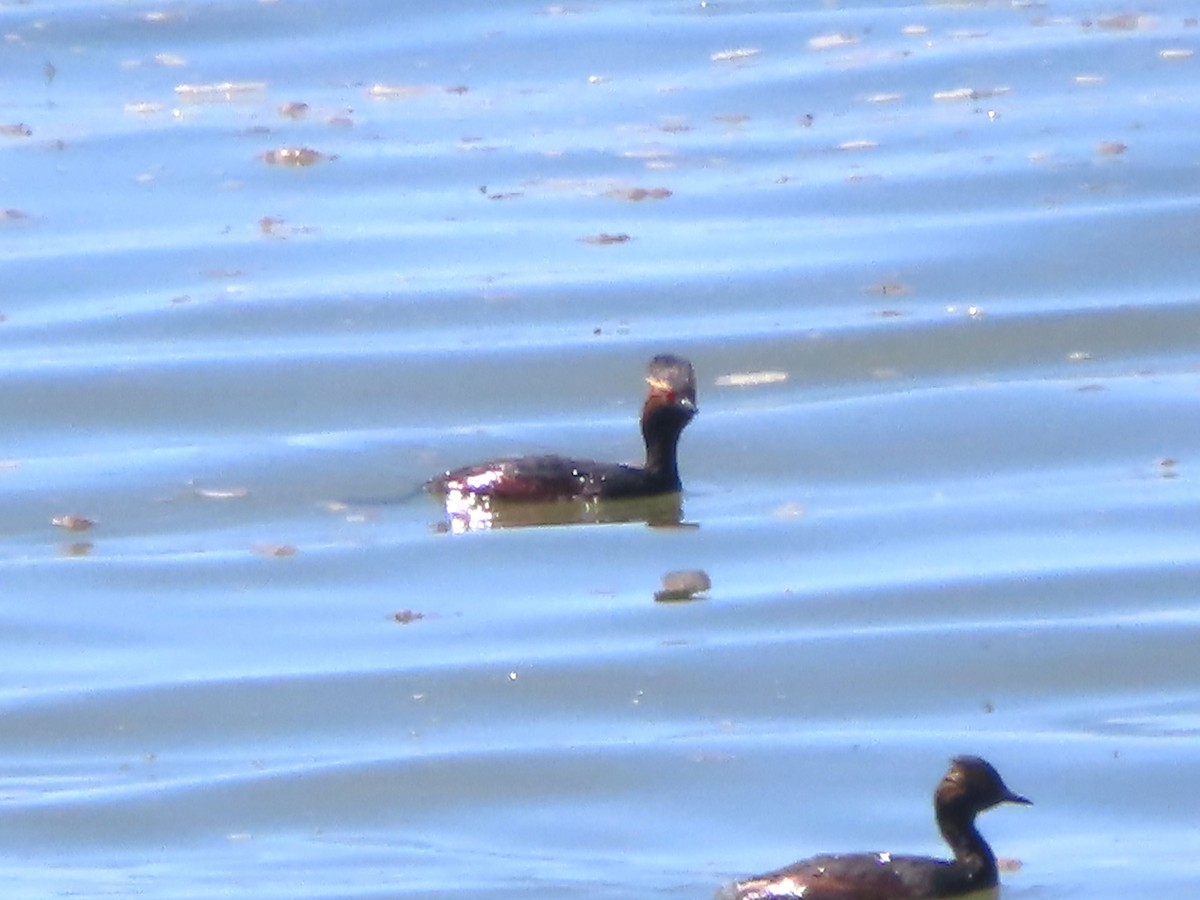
(670,396)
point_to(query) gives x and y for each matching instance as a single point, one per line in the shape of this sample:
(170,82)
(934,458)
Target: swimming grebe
(670,405)
(970,787)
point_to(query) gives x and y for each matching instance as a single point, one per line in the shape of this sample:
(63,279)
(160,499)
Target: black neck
(971,851)
(661,427)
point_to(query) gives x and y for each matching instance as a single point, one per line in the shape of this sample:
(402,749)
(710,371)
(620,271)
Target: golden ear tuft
(658,384)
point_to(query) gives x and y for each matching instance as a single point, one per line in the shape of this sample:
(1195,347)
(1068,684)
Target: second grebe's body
(669,407)
(970,787)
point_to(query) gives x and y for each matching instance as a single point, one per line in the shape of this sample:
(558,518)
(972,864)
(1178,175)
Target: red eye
(670,396)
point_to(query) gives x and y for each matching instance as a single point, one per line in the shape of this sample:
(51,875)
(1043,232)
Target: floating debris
(16,129)
(735,55)
(650,154)
(1126,22)
(1089,80)
(1176,53)
(407,616)
(751,379)
(636,195)
(293,156)
(225,90)
(1111,148)
(682,586)
(399,91)
(890,289)
(407,91)
(832,41)
(970,93)
(273,226)
(605,238)
(72,522)
(169,59)
(277,550)
(221,493)
(145,108)
(294,110)
(858,145)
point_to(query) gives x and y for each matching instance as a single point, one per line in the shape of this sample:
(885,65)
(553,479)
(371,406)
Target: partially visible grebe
(970,787)
(670,405)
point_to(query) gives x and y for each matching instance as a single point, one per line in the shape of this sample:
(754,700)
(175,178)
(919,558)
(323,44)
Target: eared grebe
(670,405)
(970,787)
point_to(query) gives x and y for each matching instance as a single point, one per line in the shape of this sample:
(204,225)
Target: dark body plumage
(970,787)
(670,405)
